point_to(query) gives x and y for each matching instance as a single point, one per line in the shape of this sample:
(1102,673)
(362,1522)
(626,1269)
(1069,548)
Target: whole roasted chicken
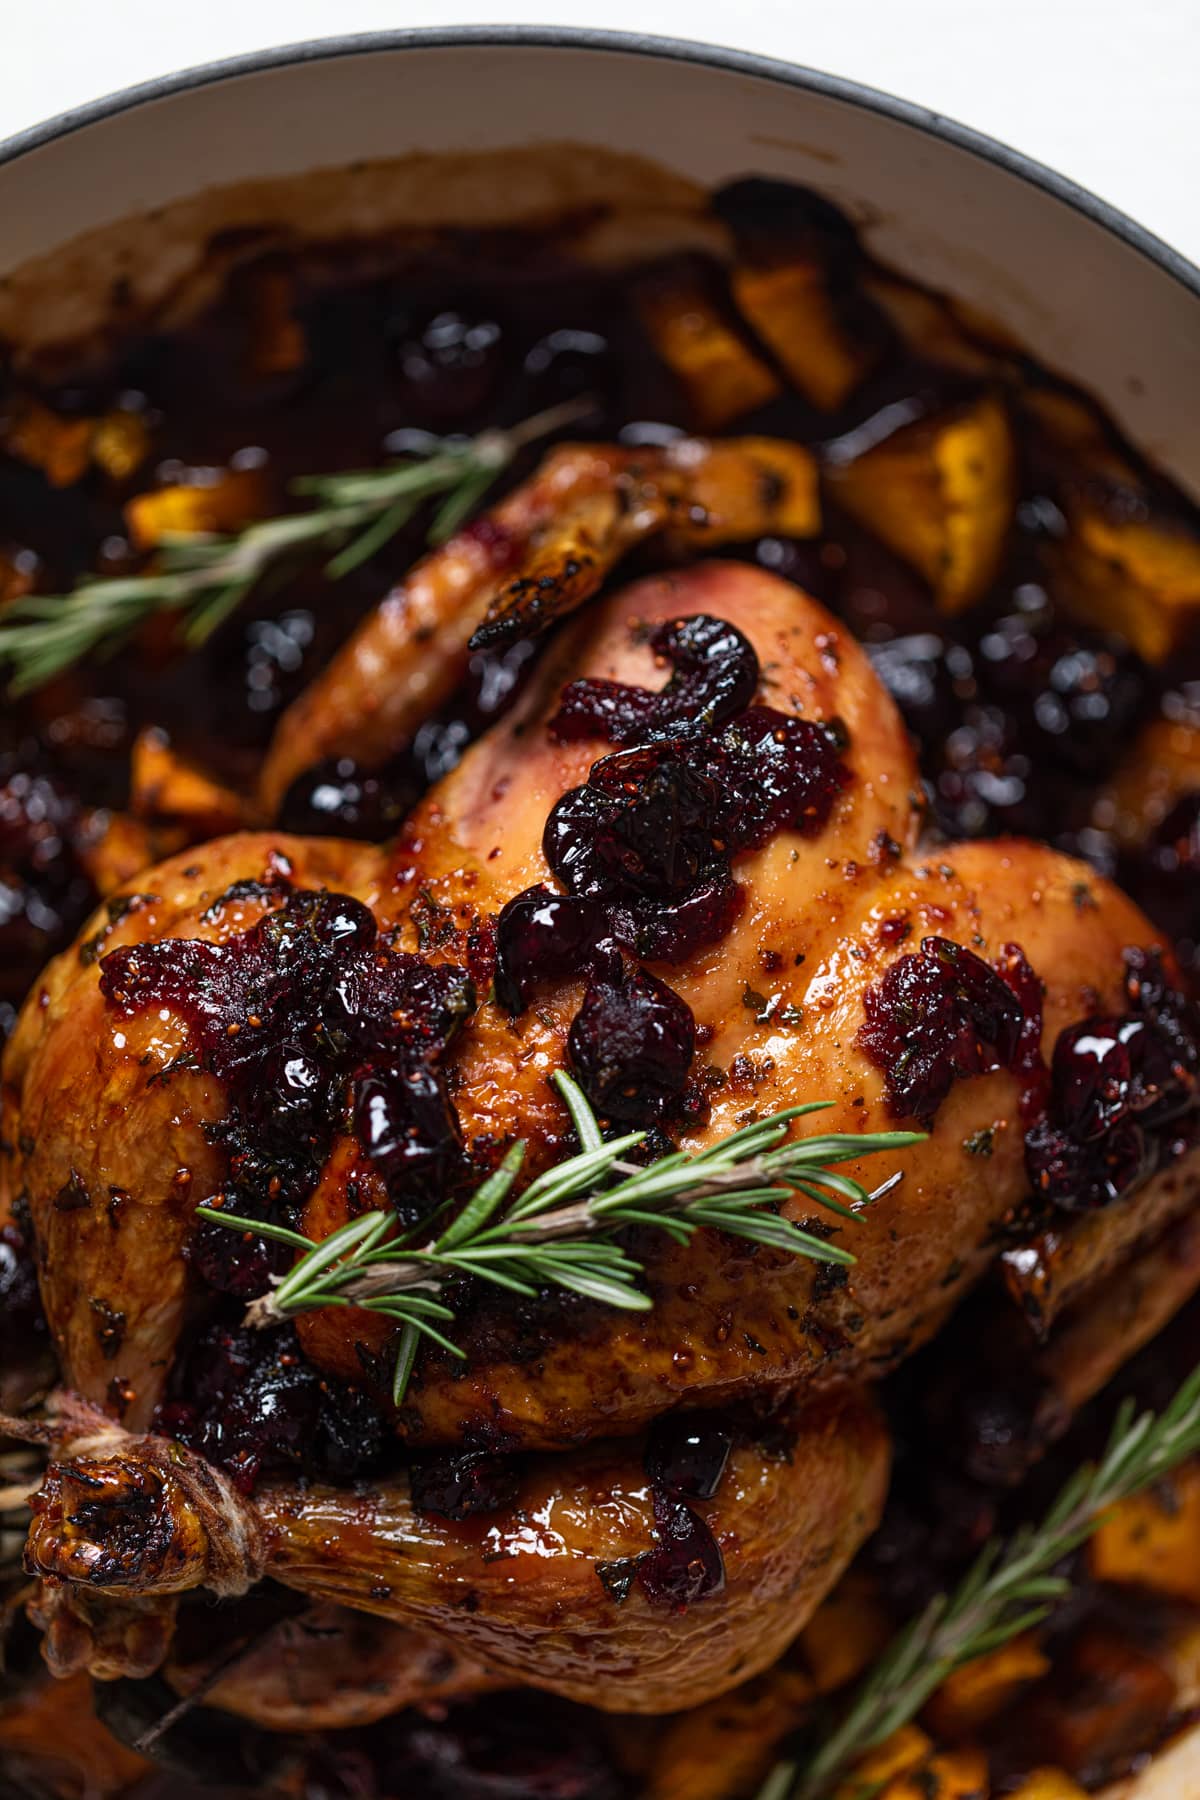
(688,867)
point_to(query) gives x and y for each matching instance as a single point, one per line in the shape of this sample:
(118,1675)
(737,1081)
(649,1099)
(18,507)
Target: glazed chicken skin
(474,843)
(515,1591)
(543,551)
(114,1144)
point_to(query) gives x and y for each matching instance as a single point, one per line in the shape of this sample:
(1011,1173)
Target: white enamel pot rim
(1088,290)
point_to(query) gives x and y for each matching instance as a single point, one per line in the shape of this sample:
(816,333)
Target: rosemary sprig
(558,1232)
(204,576)
(1010,1588)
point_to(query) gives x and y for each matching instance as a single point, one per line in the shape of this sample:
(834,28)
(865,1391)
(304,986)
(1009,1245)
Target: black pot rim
(854,93)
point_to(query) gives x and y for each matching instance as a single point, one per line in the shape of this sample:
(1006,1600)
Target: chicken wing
(527,562)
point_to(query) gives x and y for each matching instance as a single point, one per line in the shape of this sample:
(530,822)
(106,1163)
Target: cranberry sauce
(714,675)
(686,1453)
(645,847)
(1124,1094)
(338,356)
(938,1017)
(631,1045)
(250,1402)
(332,357)
(1120,1098)
(685,1458)
(45,891)
(460,1483)
(312,1023)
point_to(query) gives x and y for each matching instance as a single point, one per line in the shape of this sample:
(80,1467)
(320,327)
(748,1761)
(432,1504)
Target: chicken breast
(114,1141)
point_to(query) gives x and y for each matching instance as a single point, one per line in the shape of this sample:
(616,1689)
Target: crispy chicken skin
(113,1158)
(728,1321)
(519,1590)
(95,1115)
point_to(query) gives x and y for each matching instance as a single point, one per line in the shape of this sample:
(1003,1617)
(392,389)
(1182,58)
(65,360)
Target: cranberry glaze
(645,850)
(1121,1096)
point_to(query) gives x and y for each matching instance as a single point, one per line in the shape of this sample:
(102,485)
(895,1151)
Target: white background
(1107,91)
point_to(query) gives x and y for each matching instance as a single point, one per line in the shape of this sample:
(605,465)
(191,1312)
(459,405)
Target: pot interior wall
(1079,297)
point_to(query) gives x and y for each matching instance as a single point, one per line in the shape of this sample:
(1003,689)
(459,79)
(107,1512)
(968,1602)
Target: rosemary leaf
(406,1356)
(1008,1590)
(204,577)
(560,1232)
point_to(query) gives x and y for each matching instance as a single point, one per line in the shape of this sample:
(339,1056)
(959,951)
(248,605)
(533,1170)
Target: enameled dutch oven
(408,126)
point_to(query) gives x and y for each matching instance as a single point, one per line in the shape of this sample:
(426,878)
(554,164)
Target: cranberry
(45,895)
(1075,694)
(775,773)
(455,1486)
(298,1015)
(605,709)
(263,1407)
(631,1045)
(543,936)
(405,1122)
(336,798)
(1123,1095)
(249,1402)
(644,846)
(715,675)
(449,365)
(274,652)
(234,1262)
(643,824)
(671,931)
(685,1564)
(686,1453)
(568,362)
(351,1437)
(293,1080)
(986,784)
(924,673)
(935,1018)
(220,1360)
(22,1322)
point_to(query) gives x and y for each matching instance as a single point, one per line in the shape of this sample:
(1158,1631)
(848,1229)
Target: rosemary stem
(560,1231)
(1010,1589)
(205,576)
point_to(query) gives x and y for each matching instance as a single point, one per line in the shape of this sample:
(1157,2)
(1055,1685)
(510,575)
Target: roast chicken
(118,1125)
